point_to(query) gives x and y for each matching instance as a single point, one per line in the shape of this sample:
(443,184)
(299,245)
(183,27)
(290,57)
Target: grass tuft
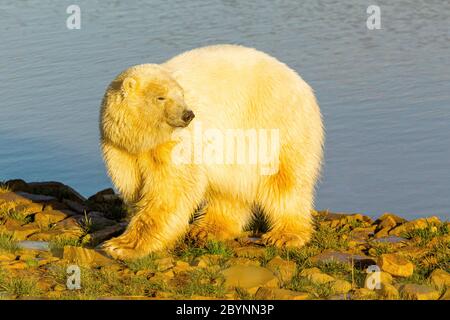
(7,243)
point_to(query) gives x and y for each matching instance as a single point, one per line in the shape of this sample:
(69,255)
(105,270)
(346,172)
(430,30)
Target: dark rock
(390,239)
(76,206)
(100,196)
(107,233)
(359,261)
(56,189)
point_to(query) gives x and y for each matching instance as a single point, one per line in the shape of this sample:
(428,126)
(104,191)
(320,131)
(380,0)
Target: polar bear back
(230,86)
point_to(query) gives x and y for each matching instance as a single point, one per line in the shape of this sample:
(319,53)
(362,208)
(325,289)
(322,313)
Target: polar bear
(221,88)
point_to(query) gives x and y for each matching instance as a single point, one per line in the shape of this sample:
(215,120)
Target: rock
(361,234)
(17,185)
(85,257)
(344,218)
(395,265)
(345,296)
(25,231)
(76,206)
(164,264)
(419,292)
(359,261)
(98,220)
(34,245)
(446,295)
(45,285)
(68,228)
(15,265)
(24,198)
(440,278)
(390,239)
(363,294)
(382,233)
(249,278)
(387,222)
(391,217)
(56,189)
(389,292)
(100,196)
(126,298)
(106,233)
(250,252)
(47,217)
(421,223)
(207,260)
(4,256)
(243,262)
(316,276)
(265,293)
(181,266)
(285,270)
(341,286)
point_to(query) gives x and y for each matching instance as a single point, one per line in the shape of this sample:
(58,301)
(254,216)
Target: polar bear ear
(129,85)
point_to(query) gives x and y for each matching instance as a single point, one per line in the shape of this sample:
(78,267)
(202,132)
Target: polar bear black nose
(188,115)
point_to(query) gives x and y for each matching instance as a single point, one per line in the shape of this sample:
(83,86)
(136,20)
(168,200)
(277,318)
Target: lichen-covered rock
(249,278)
(389,292)
(316,276)
(285,270)
(47,217)
(419,292)
(250,252)
(440,278)
(265,293)
(341,286)
(87,257)
(421,223)
(359,261)
(395,265)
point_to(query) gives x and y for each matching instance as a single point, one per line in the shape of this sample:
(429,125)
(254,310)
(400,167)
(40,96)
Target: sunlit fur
(226,86)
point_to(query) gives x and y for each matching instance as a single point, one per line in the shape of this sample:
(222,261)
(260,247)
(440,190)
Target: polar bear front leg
(148,231)
(224,219)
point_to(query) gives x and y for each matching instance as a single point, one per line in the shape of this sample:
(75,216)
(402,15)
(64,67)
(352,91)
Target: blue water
(384,94)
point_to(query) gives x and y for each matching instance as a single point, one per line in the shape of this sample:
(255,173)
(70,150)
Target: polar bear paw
(121,249)
(283,239)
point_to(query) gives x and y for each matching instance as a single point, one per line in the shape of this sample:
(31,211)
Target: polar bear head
(142,107)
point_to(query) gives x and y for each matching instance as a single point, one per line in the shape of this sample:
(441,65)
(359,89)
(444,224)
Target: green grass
(104,283)
(242,294)
(86,224)
(201,282)
(11,210)
(7,243)
(4,188)
(188,250)
(269,253)
(57,244)
(318,291)
(381,248)
(326,237)
(437,257)
(425,235)
(18,286)
(146,263)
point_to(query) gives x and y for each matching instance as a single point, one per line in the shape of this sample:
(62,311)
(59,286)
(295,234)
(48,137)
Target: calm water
(384,94)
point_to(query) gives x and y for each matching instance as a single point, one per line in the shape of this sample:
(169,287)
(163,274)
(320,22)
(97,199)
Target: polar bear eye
(161,98)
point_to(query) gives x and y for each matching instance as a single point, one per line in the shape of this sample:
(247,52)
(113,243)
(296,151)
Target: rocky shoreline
(47,226)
